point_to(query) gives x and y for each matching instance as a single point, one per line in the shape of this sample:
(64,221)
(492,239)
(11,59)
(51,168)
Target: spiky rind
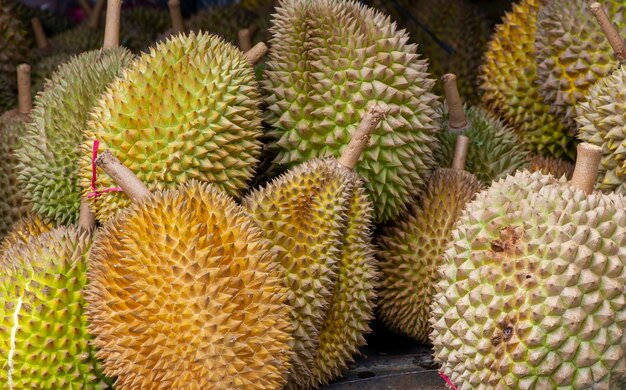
(140,26)
(601,121)
(225,21)
(188,109)
(410,250)
(531,293)
(22,232)
(508,79)
(44,343)
(572,53)
(551,166)
(49,155)
(51,22)
(320,82)
(14,40)
(494,151)
(184,293)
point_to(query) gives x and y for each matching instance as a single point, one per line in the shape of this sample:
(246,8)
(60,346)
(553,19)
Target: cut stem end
(460,152)
(40,34)
(588,158)
(176,15)
(123,177)
(86,218)
(255,54)
(361,137)
(610,30)
(456,115)
(245,39)
(24,95)
(112,26)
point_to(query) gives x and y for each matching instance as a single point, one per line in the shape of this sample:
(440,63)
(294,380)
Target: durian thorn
(460,152)
(84,4)
(361,136)
(245,39)
(112,25)
(588,158)
(610,30)
(24,95)
(125,178)
(86,217)
(456,115)
(255,54)
(94,17)
(176,15)
(40,34)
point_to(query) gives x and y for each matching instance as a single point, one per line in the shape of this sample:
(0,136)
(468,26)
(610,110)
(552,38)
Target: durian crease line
(16,325)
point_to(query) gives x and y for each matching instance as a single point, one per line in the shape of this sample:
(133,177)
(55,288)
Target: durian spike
(256,53)
(94,17)
(588,158)
(84,4)
(460,152)
(456,115)
(112,26)
(361,137)
(24,96)
(123,177)
(86,217)
(178,25)
(610,30)
(245,39)
(40,35)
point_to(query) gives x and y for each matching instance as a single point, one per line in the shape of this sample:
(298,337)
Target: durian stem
(610,30)
(255,54)
(176,15)
(24,96)
(588,158)
(460,152)
(40,35)
(123,177)
(94,18)
(457,119)
(245,39)
(84,4)
(361,137)
(86,218)
(112,26)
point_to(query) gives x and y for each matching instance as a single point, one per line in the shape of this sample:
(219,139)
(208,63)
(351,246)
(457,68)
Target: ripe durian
(410,249)
(14,41)
(140,26)
(551,166)
(453,36)
(573,53)
(23,231)
(184,293)
(508,79)
(318,219)
(13,123)
(495,150)
(532,287)
(189,109)
(225,21)
(318,85)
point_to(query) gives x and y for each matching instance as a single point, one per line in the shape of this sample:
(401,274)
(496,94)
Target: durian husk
(51,22)
(23,231)
(508,81)
(318,85)
(188,109)
(225,21)
(14,41)
(8,94)
(410,250)
(43,327)
(551,166)
(573,53)
(531,291)
(495,150)
(141,26)
(49,154)
(190,271)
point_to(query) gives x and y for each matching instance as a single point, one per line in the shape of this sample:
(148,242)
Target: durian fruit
(189,109)
(140,26)
(319,80)
(50,149)
(13,124)
(508,78)
(551,166)
(8,96)
(184,293)
(22,232)
(573,53)
(411,248)
(318,218)
(43,326)
(52,23)
(225,21)
(495,150)
(14,40)
(531,291)
(453,36)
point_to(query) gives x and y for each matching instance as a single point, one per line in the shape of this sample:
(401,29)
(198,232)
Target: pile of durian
(227,201)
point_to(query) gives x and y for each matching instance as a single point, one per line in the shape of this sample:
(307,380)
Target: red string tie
(94,172)
(447,380)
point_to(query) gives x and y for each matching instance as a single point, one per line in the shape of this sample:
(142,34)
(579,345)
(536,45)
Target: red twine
(94,192)
(448,381)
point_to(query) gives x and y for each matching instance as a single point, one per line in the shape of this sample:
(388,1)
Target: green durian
(531,290)
(188,109)
(319,81)
(52,23)
(48,158)
(43,325)
(508,81)
(411,248)
(225,21)
(141,26)
(572,53)
(14,40)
